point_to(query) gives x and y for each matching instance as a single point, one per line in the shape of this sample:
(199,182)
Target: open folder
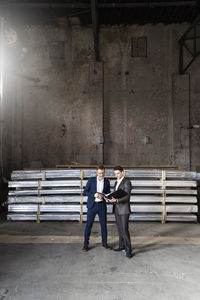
(116,194)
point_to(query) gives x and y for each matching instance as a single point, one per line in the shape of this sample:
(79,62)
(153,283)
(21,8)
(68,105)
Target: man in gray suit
(121,209)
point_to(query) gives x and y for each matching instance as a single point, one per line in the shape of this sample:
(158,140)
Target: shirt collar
(99,180)
(119,180)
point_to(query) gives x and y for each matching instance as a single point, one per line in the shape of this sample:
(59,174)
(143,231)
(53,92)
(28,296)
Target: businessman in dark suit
(121,209)
(96,205)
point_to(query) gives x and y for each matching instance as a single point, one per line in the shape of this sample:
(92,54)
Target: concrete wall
(138,93)
(195,114)
(141,106)
(57,120)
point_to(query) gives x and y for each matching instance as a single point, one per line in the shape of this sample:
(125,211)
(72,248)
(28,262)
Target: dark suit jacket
(91,189)
(123,205)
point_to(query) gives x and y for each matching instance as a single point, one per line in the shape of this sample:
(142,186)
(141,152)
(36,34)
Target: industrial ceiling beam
(148,4)
(143,4)
(95,24)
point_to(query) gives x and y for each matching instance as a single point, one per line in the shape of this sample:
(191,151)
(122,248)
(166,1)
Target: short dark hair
(100,167)
(118,168)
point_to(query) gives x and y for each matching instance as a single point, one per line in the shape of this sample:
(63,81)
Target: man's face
(118,174)
(100,173)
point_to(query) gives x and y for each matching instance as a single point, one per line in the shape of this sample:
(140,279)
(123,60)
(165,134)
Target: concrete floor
(45,262)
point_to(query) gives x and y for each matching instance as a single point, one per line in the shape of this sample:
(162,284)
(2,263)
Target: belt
(97,202)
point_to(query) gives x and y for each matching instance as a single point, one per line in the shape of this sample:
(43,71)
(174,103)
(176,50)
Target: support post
(95,24)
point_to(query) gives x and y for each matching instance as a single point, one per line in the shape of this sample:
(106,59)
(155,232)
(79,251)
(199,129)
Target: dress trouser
(100,209)
(123,231)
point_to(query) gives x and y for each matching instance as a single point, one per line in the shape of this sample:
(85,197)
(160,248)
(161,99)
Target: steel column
(188,44)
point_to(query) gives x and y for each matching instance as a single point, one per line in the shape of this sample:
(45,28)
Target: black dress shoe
(119,249)
(85,248)
(106,247)
(129,254)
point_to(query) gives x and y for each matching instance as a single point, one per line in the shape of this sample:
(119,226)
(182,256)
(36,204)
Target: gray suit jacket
(123,205)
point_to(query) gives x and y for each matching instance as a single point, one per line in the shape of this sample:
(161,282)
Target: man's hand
(97,195)
(112,200)
(106,199)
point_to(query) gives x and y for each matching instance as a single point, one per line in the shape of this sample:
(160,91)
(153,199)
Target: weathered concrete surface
(62,271)
(195,115)
(139,93)
(76,228)
(181,131)
(61,115)
(130,100)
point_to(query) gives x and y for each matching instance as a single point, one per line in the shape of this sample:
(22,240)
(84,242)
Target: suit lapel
(115,185)
(96,184)
(121,183)
(104,185)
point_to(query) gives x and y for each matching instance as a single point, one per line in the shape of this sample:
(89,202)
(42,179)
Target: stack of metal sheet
(58,195)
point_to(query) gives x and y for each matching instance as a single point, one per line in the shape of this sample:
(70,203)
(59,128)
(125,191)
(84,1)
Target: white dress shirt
(118,182)
(100,186)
